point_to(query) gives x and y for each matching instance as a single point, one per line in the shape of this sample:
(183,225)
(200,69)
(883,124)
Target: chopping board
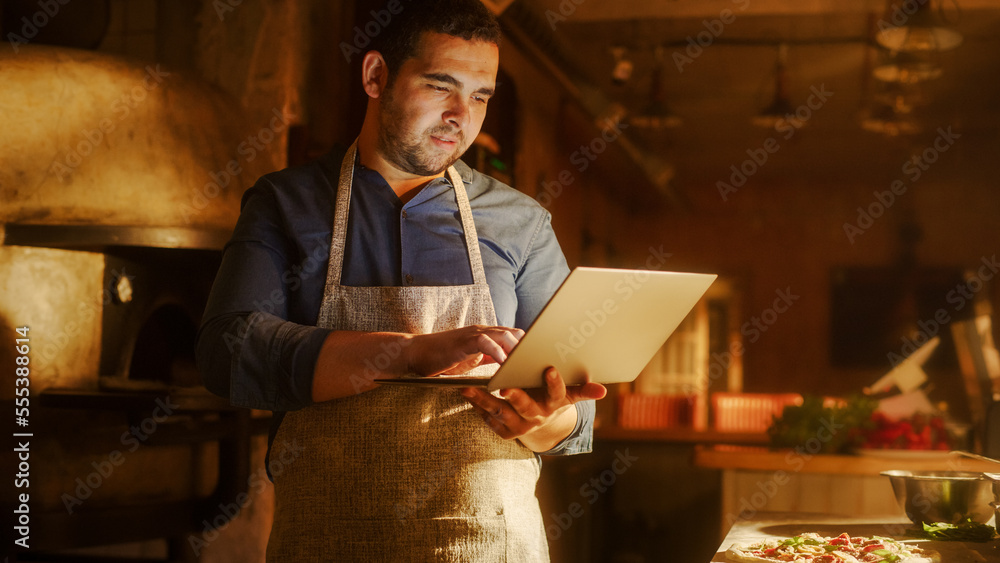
(785,525)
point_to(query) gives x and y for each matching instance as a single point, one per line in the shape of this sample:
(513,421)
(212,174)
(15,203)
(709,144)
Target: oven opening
(164,348)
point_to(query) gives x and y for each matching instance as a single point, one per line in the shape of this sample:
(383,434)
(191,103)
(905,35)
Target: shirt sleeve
(542,273)
(248,351)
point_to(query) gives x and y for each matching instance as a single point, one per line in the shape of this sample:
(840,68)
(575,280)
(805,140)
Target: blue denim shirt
(259,342)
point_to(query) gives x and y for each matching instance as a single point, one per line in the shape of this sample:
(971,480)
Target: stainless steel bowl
(943,496)
(995,479)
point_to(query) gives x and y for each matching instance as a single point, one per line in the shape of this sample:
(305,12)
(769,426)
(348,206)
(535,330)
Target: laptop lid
(603,322)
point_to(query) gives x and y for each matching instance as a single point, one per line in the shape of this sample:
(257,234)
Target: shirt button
(404,214)
(409,279)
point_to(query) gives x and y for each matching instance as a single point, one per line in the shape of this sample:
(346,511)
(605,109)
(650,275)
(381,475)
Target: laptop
(604,323)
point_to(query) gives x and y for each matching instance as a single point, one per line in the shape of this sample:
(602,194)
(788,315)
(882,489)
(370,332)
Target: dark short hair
(400,38)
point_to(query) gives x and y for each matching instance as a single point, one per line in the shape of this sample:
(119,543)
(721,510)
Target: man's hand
(457,351)
(539,418)
(344,366)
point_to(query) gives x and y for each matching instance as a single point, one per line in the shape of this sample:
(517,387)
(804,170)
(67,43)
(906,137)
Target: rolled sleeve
(252,347)
(266,362)
(581,439)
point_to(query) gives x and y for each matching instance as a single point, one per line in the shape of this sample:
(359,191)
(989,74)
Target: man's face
(435,106)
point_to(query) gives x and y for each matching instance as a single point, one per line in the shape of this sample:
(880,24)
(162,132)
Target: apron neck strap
(468,226)
(340,215)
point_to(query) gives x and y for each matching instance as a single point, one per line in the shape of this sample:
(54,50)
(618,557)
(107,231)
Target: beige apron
(403,473)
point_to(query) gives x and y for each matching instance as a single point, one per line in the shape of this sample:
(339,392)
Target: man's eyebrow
(449,79)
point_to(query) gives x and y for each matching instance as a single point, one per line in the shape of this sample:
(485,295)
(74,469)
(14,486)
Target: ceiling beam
(597,10)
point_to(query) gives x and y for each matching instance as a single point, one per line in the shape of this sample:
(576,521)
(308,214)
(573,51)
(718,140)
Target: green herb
(965,531)
(833,429)
(792,541)
(796,541)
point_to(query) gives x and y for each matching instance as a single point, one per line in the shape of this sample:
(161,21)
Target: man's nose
(457,113)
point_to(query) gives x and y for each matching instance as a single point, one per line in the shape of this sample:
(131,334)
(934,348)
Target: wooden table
(784,525)
(758,480)
(871,463)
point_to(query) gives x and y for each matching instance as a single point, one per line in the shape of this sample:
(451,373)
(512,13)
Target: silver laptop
(603,323)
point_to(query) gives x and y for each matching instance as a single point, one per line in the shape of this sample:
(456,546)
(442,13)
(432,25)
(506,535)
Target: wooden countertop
(868,463)
(784,525)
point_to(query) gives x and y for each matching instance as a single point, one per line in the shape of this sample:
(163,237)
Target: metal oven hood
(91,139)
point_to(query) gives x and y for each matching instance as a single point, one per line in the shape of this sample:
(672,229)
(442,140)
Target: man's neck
(404,184)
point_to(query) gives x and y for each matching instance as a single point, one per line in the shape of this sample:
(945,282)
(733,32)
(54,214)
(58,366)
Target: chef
(395,258)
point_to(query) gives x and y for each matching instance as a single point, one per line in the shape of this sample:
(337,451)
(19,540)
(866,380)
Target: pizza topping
(842,539)
(813,548)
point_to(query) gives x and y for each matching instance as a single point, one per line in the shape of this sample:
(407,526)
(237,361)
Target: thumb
(587,391)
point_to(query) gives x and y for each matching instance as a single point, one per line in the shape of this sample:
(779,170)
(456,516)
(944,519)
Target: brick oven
(120,184)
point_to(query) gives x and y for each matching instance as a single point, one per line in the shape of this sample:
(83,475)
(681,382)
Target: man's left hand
(539,418)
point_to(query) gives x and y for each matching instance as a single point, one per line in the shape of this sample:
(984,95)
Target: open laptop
(603,323)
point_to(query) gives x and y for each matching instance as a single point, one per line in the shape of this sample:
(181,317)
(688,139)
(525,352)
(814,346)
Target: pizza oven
(120,185)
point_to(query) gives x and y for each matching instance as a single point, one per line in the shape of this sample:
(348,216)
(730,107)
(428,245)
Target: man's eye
(480,99)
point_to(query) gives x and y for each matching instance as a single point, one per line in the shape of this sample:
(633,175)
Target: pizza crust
(740,555)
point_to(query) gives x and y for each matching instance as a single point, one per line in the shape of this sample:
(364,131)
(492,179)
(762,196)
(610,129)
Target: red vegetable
(919,432)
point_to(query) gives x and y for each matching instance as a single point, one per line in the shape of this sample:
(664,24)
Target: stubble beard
(409,151)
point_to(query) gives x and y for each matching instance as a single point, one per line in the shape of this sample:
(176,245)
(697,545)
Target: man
(428,265)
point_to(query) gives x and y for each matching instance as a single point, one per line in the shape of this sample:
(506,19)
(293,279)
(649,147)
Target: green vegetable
(965,531)
(816,428)
(799,540)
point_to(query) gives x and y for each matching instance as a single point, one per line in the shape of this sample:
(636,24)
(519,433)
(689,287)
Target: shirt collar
(433,188)
(463,169)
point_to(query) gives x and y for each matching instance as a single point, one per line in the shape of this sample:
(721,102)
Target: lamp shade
(922,31)
(908,68)
(911,38)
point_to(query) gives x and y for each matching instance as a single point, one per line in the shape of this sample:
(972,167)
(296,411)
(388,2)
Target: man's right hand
(349,361)
(457,351)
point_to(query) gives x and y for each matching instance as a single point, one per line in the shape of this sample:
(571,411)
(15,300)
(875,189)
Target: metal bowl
(942,496)
(995,479)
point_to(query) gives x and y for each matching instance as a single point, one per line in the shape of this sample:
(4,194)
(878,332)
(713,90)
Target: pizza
(813,548)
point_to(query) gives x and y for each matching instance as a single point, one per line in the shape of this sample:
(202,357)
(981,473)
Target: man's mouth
(444,140)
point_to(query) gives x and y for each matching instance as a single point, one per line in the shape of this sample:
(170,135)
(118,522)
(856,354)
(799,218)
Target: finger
(586,392)
(522,404)
(555,388)
(509,339)
(500,428)
(483,402)
(491,348)
(495,412)
(467,363)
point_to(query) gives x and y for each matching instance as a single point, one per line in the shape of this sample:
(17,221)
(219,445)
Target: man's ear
(374,74)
